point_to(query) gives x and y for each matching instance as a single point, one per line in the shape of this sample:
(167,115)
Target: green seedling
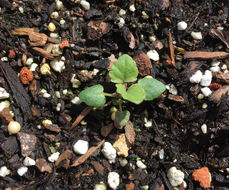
(124,71)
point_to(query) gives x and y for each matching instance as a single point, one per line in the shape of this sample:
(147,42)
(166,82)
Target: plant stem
(114,95)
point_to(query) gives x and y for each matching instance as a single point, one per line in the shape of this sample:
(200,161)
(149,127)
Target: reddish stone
(203,176)
(143,63)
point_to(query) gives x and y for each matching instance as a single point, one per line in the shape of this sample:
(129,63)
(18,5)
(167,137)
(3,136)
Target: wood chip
(37,39)
(84,157)
(105,130)
(143,63)
(5,115)
(64,159)
(218,94)
(43,165)
(98,167)
(221,77)
(171,48)
(53,127)
(129,132)
(121,145)
(45,53)
(22,31)
(205,55)
(27,142)
(175,98)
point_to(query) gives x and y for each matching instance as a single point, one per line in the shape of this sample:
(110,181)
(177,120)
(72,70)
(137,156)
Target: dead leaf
(105,130)
(53,127)
(64,159)
(84,157)
(218,94)
(45,53)
(143,63)
(175,98)
(129,132)
(112,61)
(43,165)
(22,31)
(205,55)
(171,48)
(122,145)
(37,39)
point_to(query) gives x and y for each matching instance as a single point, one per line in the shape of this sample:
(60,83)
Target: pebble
(22,170)
(215,63)
(201,96)
(122,12)
(51,27)
(224,67)
(123,162)
(85,4)
(140,164)
(132,8)
(182,25)
(76,100)
(204,105)
(29,61)
(196,35)
(81,147)
(148,123)
(121,22)
(3,93)
(54,157)
(113,180)
(109,152)
(206,91)
(175,176)
(29,162)
(204,128)
(153,55)
(196,77)
(57,66)
(215,69)
(100,186)
(59,5)
(33,67)
(172,89)
(206,78)
(203,176)
(4,171)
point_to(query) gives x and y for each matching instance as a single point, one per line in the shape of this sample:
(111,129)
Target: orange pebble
(64,43)
(203,176)
(12,53)
(130,186)
(26,75)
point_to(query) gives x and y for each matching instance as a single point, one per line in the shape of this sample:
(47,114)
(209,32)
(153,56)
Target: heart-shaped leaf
(93,96)
(121,118)
(152,87)
(135,93)
(124,70)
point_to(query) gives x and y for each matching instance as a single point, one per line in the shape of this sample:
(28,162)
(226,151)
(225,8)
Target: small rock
(54,157)
(206,91)
(143,63)
(153,55)
(204,128)
(43,165)
(3,94)
(100,186)
(113,180)
(123,162)
(203,176)
(140,164)
(22,170)
(81,147)
(132,8)
(182,25)
(29,161)
(196,77)
(196,35)
(4,171)
(85,4)
(175,176)
(206,78)
(109,152)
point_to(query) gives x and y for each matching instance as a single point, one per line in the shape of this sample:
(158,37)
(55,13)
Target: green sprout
(124,71)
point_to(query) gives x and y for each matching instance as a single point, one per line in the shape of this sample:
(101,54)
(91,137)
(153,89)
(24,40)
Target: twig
(80,117)
(193,22)
(171,48)
(205,55)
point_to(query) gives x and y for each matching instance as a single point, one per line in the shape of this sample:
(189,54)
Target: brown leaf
(105,130)
(43,165)
(222,77)
(37,39)
(45,53)
(205,55)
(121,145)
(22,31)
(143,63)
(218,94)
(84,157)
(175,98)
(53,127)
(5,115)
(131,40)
(129,132)
(64,159)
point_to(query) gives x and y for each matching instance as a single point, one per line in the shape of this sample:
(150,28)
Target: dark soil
(176,120)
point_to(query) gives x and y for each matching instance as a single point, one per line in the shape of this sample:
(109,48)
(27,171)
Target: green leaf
(152,87)
(135,93)
(121,118)
(124,70)
(93,96)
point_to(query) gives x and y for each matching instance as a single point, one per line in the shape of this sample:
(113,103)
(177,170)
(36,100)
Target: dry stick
(193,22)
(171,48)
(205,55)
(80,117)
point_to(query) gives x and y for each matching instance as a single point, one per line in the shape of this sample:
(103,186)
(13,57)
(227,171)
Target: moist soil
(96,37)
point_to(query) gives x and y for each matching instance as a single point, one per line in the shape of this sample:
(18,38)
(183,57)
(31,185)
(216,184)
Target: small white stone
(54,15)
(65,91)
(109,152)
(57,66)
(75,82)
(33,67)
(21,9)
(58,106)
(172,89)
(215,69)
(14,127)
(122,12)
(153,55)
(121,22)
(140,164)
(76,100)
(123,162)
(54,35)
(57,94)
(4,104)
(62,21)
(176,177)
(85,5)
(51,27)
(215,63)
(100,186)
(224,67)
(54,157)
(56,49)
(220,28)
(152,38)
(182,25)
(161,154)
(148,123)
(4,171)
(81,147)
(204,128)
(4,59)
(204,105)
(196,35)
(225,71)
(59,5)
(46,122)
(46,95)
(113,180)
(132,8)
(196,77)
(22,170)
(29,61)
(3,94)
(206,91)
(29,161)
(206,78)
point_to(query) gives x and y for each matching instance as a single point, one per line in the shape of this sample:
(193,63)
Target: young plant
(124,71)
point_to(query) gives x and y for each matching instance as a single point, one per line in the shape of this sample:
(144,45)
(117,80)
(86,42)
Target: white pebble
(204,128)
(196,35)
(132,8)
(113,180)
(29,161)
(59,5)
(100,186)
(54,157)
(109,152)
(224,67)
(161,154)
(176,177)
(4,171)
(123,162)
(29,61)
(22,170)
(46,95)
(33,67)
(57,66)
(14,127)
(85,4)
(76,100)
(153,55)
(140,164)
(215,69)
(215,63)
(148,123)
(3,94)
(122,12)
(206,78)
(172,89)
(54,15)
(121,22)
(182,25)
(81,147)
(152,38)
(225,71)
(206,91)
(196,77)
